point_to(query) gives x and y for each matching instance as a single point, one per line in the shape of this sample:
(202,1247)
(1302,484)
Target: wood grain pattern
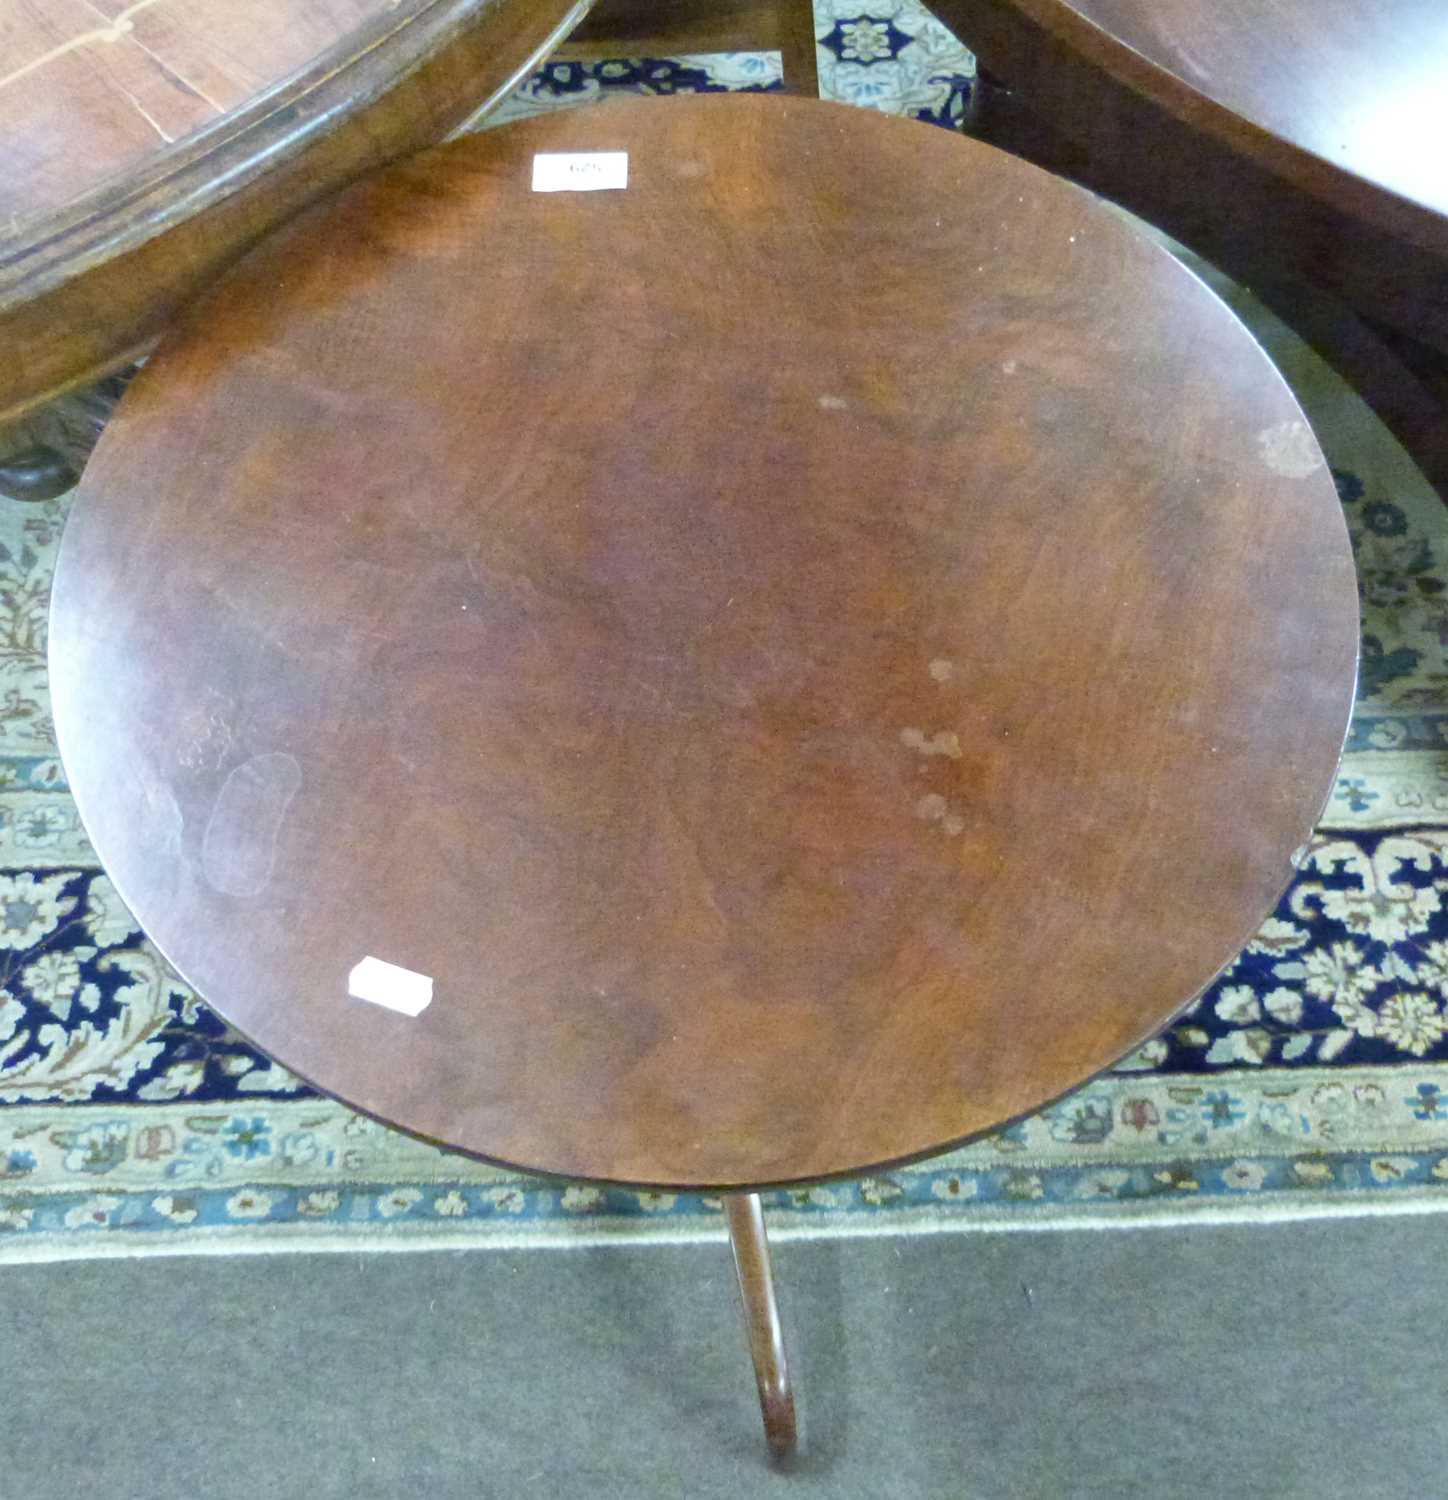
(88,90)
(815,654)
(148,145)
(1345,97)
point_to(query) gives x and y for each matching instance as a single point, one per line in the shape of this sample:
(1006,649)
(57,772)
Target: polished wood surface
(90,90)
(814,654)
(147,145)
(1350,97)
(1298,144)
(762,1328)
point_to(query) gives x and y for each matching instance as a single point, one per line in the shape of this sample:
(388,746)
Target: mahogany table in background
(1300,144)
(145,145)
(815,654)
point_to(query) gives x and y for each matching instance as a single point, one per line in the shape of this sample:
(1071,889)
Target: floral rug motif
(309,1174)
(562,85)
(893,56)
(1310,1078)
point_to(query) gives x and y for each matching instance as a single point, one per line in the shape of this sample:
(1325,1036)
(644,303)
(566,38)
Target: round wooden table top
(147,142)
(90,90)
(1346,97)
(811,654)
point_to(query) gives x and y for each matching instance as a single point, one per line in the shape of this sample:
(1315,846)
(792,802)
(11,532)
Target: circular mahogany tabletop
(813,654)
(1347,97)
(147,142)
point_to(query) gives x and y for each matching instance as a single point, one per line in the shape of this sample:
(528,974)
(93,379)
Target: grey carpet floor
(1307,1360)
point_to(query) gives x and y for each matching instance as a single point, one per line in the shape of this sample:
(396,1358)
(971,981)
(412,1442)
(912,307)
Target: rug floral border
(179,1179)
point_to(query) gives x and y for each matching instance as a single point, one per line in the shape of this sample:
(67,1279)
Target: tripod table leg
(761,1320)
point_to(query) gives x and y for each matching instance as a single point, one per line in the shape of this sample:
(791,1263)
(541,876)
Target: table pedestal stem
(761,1320)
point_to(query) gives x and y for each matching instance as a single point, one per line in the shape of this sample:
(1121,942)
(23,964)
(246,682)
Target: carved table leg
(43,452)
(761,1320)
(38,473)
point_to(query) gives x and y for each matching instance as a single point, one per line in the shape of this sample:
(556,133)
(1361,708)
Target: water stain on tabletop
(239,846)
(944,742)
(1290,449)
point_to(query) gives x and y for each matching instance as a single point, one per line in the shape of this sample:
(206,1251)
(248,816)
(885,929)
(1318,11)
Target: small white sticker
(579,171)
(391,985)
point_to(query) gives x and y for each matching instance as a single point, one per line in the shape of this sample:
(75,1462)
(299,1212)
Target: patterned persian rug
(1311,1078)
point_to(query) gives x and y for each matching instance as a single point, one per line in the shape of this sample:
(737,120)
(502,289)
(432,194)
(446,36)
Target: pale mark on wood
(167,71)
(943,742)
(205,732)
(240,844)
(933,808)
(141,110)
(117,31)
(1290,449)
(164,822)
(170,73)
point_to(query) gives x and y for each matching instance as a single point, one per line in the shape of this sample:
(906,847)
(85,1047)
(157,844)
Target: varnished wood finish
(1299,144)
(89,91)
(816,653)
(1345,98)
(761,1321)
(666,28)
(147,145)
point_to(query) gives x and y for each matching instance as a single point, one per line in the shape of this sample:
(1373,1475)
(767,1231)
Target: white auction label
(391,985)
(579,171)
